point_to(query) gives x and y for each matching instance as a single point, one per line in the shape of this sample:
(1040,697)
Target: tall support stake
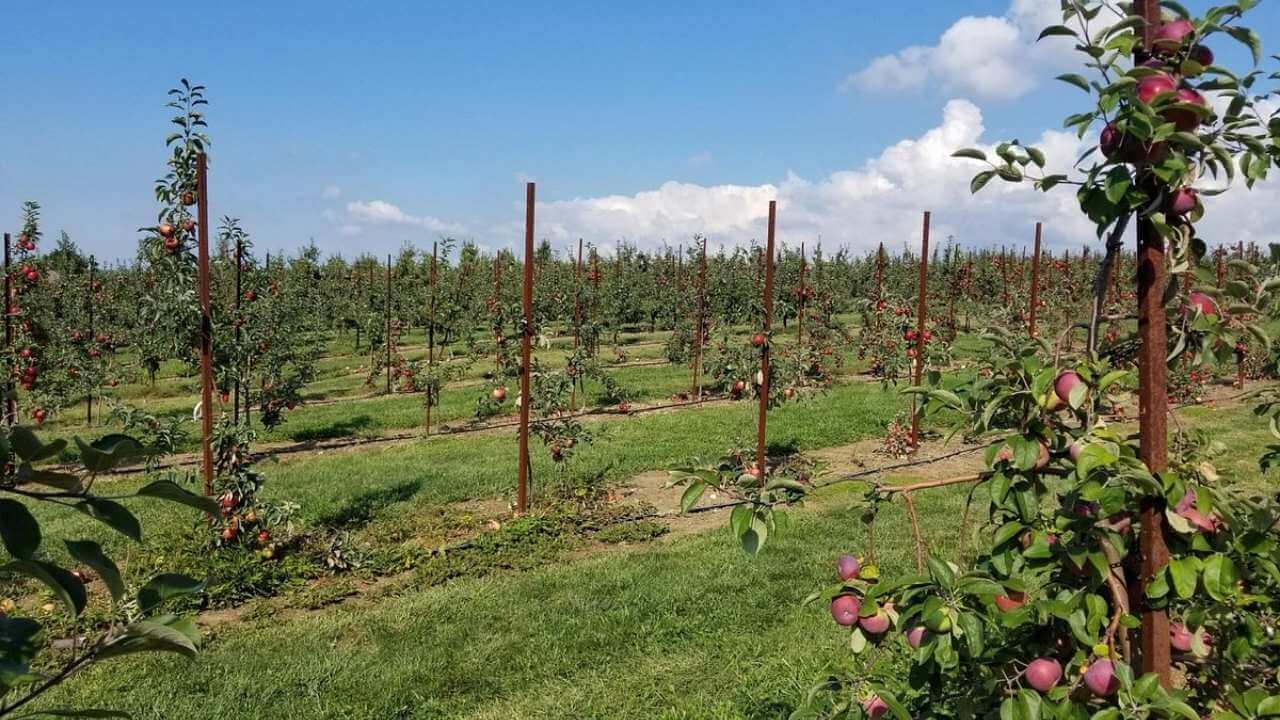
(206,322)
(526,343)
(922,309)
(1153,408)
(699,332)
(577,324)
(431,335)
(238,321)
(10,402)
(497,302)
(386,308)
(1035,284)
(93,333)
(800,302)
(768,261)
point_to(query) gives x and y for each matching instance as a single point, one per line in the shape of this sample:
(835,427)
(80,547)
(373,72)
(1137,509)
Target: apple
(172,244)
(739,387)
(1180,637)
(166,230)
(1153,86)
(917,635)
(874,707)
(1187,508)
(1169,37)
(1202,55)
(1186,120)
(789,393)
(1043,674)
(844,610)
(1074,450)
(229,533)
(758,340)
(1205,304)
(499,395)
(188,225)
(848,567)
(188,198)
(39,414)
(1011,601)
(264,536)
(1066,382)
(1101,678)
(1042,459)
(875,624)
(1183,201)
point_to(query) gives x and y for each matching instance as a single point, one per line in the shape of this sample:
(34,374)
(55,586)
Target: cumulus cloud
(380,212)
(987,57)
(881,201)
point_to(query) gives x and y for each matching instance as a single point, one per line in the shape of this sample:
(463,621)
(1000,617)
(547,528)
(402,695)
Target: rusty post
(577,324)
(1153,407)
(206,323)
(10,401)
(700,331)
(238,321)
(526,340)
(497,302)
(431,334)
(88,400)
(922,305)
(1035,284)
(800,302)
(386,308)
(768,262)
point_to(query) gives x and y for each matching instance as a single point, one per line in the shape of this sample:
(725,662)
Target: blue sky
(368,125)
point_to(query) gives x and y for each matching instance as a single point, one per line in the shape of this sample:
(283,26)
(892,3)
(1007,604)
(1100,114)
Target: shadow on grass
(361,509)
(337,429)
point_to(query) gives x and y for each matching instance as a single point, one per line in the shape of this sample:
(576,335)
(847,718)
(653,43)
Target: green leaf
(1056,31)
(165,587)
(691,495)
(1248,38)
(971,153)
(167,490)
(63,584)
(19,529)
(112,514)
(740,520)
(1220,577)
(30,449)
(980,180)
(1185,572)
(174,635)
(90,553)
(1076,80)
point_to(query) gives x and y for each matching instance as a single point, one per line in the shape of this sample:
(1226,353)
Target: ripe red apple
(1169,37)
(499,394)
(1042,459)
(1183,201)
(1044,673)
(848,567)
(166,230)
(229,533)
(739,387)
(789,393)
(1153,86)
(1074,450)
(264,536)
(875,624)
(1186,120)
(39,414)
(874,707)
(188,225)
(1202,55)
(1205,304)
(1066,382)
(844,610)
(1187,508)
(188,198)
(172,244)
(917,635)
(758,340)
(1101,678)
(1180,637)
(1011,601)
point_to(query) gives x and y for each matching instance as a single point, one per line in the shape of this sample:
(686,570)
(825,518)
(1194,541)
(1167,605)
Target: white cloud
(988,57)
(881,201)
(380,212)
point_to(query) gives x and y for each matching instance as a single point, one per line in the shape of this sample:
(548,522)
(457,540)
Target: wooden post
(431,334)
(386,306)
(238,321)
(497,301)
(88,400)
(526,341)
(700,331)
(768,262)
(1153,407)
(577,324)
(10,401)
(1035,284)
(921,316)
(800,301)
(206,323)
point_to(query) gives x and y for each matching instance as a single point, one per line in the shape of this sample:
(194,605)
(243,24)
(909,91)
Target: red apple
(499,394)
(876,624)
(917,635)
(1043,674)
(1066,382)
(1101,678)
(844,610)
(1153,86)
(1186,120)
(1202,55)
(1183,201)
(1011,601)
(874,707)
(1205,304)
(758,340)
(848,567)
(1169,37)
